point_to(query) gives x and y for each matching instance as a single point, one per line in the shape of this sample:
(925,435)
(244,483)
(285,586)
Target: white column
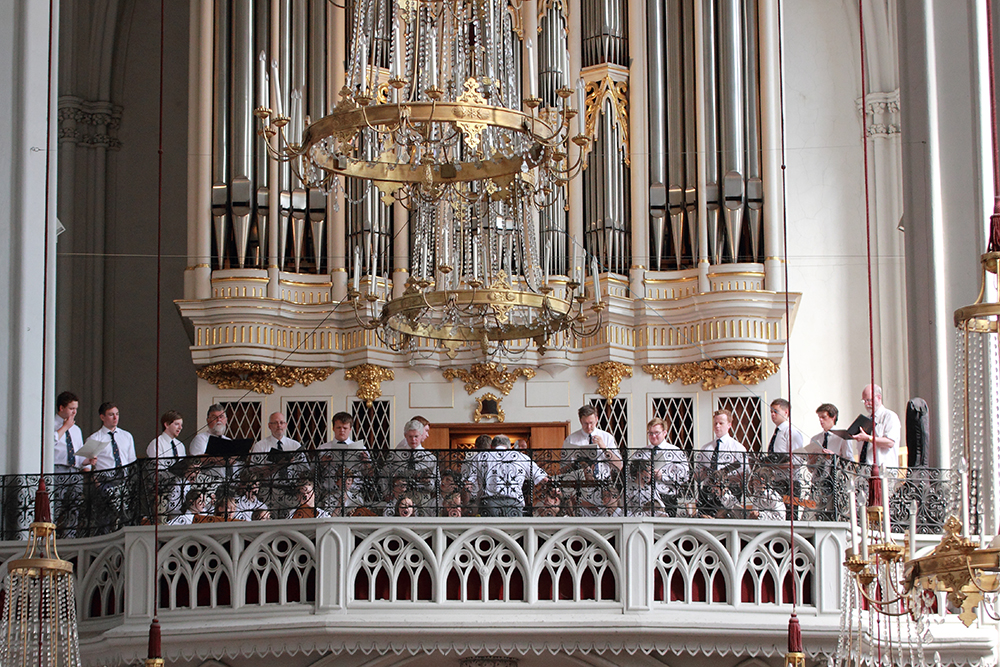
(770,143)
(638,115)
(198,274)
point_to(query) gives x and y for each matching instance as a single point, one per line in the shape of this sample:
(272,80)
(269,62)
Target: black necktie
(115,451)
(770,446)
(70,450)
(173,447)
(280,448)
(826,440)
(715,454)
(864,453)
(341,442)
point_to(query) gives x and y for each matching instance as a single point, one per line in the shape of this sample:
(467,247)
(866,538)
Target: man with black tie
(717,461)
(786,438)
(69,437)
(277,441)
(167,444)
(121,447)
(831,442)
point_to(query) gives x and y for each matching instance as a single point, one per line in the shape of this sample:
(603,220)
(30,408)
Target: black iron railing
(580,483)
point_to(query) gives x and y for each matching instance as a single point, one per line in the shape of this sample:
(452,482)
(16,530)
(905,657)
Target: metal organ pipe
(675,127)
(732,135)
(243,62)
(281,187)
(690,136)
(755,187)
(220,133)
(711,131)
(657,127)
(296,84)
(262,33)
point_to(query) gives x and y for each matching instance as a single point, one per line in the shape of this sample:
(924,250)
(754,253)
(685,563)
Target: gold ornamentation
(617,92)
(472,117)
(489,374)
(369,378)
(259,378)
(715,373)
(488,407)
(516,23)
(609,376)
(543,9)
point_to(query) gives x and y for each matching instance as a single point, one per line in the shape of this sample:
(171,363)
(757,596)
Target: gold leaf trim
(609,377)
(258,377)
(489,374)
(715,373)
(617,92)
(481,414)
(369,378)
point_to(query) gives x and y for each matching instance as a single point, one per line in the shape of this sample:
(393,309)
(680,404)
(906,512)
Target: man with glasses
(278,441)
(668,466)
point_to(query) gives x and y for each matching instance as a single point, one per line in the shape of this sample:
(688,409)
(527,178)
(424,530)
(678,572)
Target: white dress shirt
(106,457)
(670,461)
(199,443)
(730,451)
(270,442)
(166,446)
(59,453)
(887,425)
(579,440)
(836,444)
(781,437)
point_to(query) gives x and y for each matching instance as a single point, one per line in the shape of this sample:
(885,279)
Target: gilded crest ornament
(609,376)
(489,374)
(488,407)
(369,378)
(715,373)
(259,378)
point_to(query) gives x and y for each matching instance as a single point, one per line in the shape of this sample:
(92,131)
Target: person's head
(551,505)
(722,421)
(306,494)
(342,424)
(588,418)
(172,423)
(225,505)
(108,412)
(609,497)
(656,431)
(427,425)
(483,442)
(67,404)
(194,501)
(413,433)
(500,442)
(277,424)
(261,514)
(640,471)
(780,410)
(827,414)
(216,419)
(871,396)
(453,505)
(398,487)
(405,507)
(520,443)
(448,482)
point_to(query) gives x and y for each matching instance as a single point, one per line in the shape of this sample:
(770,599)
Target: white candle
(295,114)
(964,468)
(364,65)
(397,61)
(357,268)
(913,529)
(864,534)
(532,68)
(548,262)
(475,258)
(581,107)
(278,107)
(886,525)
(262,82)
(597,280)
(854,518)
(432,60)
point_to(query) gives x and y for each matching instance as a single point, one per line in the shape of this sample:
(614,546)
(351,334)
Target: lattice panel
(612,416)
(746,419)
(373,424)
(678,412)
(307,422)
(244,419)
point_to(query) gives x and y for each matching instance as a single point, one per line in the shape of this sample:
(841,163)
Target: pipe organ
(705,228)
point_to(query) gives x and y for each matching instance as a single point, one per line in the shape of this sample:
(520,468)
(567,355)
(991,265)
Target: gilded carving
(609,377)
(715,373)
(488,407)
(369,378)
(258,377)
(617,92)
(489,374)
(563,7)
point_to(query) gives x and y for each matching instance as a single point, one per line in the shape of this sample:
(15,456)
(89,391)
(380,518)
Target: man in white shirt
(216,423)
(669,467)
(426,432)
(590,441)
(500,479)
(831,442)
(342,424)
(277,441)
(347,465)
(786,437)
(167,444)
(718,461)
(121,447)
(883,444)
(69,437)
(414,464)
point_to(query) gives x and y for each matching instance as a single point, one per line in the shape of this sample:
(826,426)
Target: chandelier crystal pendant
(433,118)
(39,610)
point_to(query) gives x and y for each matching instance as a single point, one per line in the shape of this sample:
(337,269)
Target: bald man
(882,445)
(277,441)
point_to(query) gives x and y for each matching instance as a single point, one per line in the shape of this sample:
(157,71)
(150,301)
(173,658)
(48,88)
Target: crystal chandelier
(39,610)
(433,119)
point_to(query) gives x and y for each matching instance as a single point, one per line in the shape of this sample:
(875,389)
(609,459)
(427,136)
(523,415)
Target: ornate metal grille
(746,419)
(307,422)
(373,425)
(612,416)
(678,412)
(244,418)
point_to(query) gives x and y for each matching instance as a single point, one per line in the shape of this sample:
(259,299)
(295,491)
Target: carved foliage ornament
(715,373)
(489,374)
(617,92)
(369,378)
(259,378)
(609,376)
